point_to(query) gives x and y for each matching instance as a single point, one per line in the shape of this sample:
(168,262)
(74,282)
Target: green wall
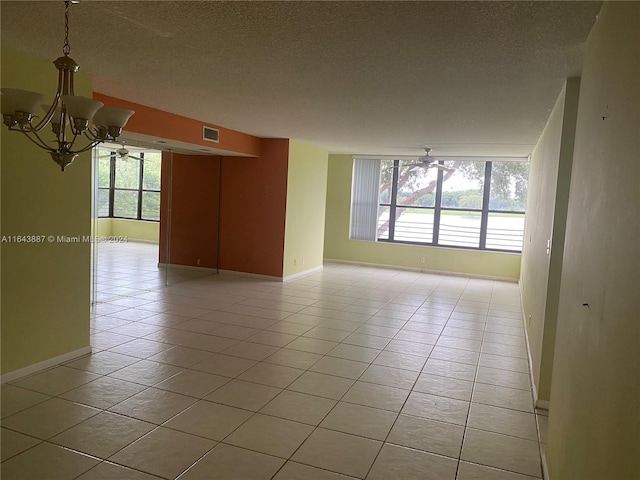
(306,198)
(549,179)
(132,229)
(594,418)
(45,286)
(339,247)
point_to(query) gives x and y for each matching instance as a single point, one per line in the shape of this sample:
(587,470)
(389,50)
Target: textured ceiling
(465,78)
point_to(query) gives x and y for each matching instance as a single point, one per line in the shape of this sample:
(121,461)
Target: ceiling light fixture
(70,115)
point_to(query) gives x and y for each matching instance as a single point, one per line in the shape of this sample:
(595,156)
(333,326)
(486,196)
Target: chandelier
(71,116)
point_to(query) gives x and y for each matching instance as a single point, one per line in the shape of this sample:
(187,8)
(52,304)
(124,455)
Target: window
(128,186)
(464,204)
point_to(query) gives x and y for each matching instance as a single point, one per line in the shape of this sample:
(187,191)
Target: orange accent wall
(158,123)
(254,196)
(190,184)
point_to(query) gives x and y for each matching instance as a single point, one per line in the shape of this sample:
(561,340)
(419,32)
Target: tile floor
(352,372)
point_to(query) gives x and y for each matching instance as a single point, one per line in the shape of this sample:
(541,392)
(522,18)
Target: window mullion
(484,220)
(394,195)
(112,182)
(140,178)
(438,206)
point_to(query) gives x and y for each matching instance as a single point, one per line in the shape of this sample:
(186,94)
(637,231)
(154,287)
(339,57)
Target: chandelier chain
(66,49)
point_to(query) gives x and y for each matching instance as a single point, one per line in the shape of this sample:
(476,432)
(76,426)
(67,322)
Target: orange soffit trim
(158,123)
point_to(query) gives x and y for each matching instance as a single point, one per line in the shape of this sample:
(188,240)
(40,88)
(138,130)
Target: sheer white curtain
(364,199)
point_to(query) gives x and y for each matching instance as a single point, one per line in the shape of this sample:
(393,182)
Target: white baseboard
(37,367)
(187,267)
(302,274)
(423,270)
(542,404)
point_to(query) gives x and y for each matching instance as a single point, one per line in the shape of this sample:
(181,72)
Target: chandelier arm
(88,147)
(37,141)
(52,109)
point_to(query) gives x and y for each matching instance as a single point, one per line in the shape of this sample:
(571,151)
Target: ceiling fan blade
(442,167)
(134,158)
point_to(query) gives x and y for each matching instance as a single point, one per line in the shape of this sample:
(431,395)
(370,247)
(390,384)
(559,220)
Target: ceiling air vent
(210,134)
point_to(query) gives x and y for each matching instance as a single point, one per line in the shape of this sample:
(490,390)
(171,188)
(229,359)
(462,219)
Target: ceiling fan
(426,162)
(121,153)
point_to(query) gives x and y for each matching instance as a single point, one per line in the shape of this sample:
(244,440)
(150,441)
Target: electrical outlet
(303,260)
(421,259)
(198,262)
(295,261)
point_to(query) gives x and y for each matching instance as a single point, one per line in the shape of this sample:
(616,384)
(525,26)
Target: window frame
(437,209)
(114,158)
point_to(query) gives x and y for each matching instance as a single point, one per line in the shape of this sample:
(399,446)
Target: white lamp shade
(112,117)
(81,107)
(16,100)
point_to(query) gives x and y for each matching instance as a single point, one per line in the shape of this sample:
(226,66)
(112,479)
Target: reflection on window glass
(461,229)
(414,225)
(462,187)
(151,205)
(125,203)
(127,173)
(151,174)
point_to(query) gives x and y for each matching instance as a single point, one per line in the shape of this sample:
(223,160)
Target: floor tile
(503,420)
(209,420)
(104,392)
(15,399)
(193,383)
(153,405)
(270,374)
(436,407)
(48,418)
(501,451)
(446,368)
(270,435)
(360,420)
(229,462)
(400,360)
(378,396)
(503,397)
(312,345)
(299,407)
(103,435)
(389,376)
(338,452)
(146,372)
(339,367)
(241,394)
(181,356)
(13,443)
(164,452)
(103,363)
(224,365)
(46,461)
(400,463)
(354,352)
(444,386)
(428,435)
(322,385)
(297,471)
(503,378)
(111,471)
(472,471)
(56,380)
(252,351)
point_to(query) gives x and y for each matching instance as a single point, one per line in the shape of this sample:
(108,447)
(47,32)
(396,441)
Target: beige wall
(339,247)
(549,178)
(133,230)
(45,286)
(594,422)
(306,198)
